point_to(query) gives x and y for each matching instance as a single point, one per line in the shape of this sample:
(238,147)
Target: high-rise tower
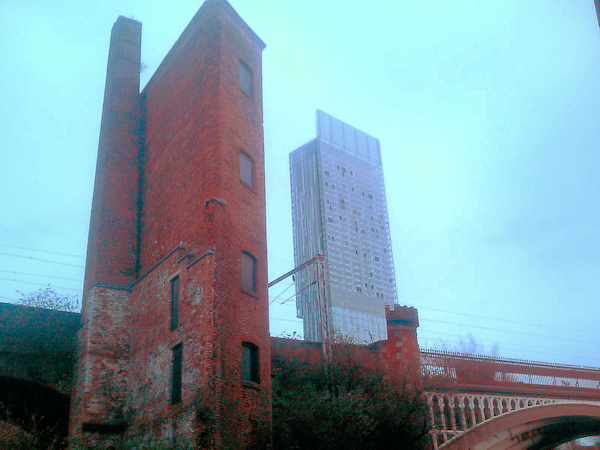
(339,208)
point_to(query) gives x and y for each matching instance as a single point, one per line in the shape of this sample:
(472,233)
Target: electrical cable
(41,276)
(508,331)
(44,260)
(280,294)
(500,320)
(529,348)
(40,284)
(41,251)
(286,320)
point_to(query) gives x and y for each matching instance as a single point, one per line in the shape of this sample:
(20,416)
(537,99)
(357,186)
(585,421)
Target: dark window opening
(245,79)
(177,374)
(250,364)
(248,272)
(246,169)
(174,303)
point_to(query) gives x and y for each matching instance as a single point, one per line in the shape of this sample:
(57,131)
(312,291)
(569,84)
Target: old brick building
(174,340)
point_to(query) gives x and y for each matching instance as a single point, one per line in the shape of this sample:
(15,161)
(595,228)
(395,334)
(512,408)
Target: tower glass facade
(339,209)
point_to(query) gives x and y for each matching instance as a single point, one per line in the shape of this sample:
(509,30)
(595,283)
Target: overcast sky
(487,116)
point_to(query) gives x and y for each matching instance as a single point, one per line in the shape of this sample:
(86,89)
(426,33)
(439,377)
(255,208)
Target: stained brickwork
(169,203)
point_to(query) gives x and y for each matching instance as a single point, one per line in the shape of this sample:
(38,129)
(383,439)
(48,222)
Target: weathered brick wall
(112,241)
(103,357)
(193,121)
(150,365)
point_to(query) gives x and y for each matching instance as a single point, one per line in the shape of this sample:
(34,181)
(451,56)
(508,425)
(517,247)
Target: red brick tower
(403,353)
(184,341)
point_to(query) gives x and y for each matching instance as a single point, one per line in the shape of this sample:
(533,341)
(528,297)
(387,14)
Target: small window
(177,374)
(377,259)
(370,197)
(329,219)
(250,364)
(327,173)
(245,79)
(174,303)
(248,272)
(246,169)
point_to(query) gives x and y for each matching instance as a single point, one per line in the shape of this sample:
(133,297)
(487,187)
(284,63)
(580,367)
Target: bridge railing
(476,373)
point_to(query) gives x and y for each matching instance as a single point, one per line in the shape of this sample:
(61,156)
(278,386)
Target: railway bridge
(477,402)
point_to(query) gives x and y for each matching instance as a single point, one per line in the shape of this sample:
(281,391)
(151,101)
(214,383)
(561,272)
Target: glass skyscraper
(339,209)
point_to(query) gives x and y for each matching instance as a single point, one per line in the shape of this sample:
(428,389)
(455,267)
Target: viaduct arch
(536,428)
(37,352)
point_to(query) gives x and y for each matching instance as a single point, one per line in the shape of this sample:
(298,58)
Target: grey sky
(486,113)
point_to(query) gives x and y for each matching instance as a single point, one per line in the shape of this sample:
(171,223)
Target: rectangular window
(246,169)
(174,303)
(177,374)
(248,272)
(250,366)
(245,79)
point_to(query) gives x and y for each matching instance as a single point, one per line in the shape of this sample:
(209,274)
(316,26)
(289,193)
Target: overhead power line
(41,251)
(509,331)
(286,320)
(500,320)
(482,317)
(39,284)
(41,276)
(534,351)
(43,260)
(521,348)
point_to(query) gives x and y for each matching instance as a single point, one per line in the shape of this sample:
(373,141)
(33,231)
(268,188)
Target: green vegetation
(346,405)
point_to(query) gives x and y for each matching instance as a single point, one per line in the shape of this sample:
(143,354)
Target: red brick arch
(538,427)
